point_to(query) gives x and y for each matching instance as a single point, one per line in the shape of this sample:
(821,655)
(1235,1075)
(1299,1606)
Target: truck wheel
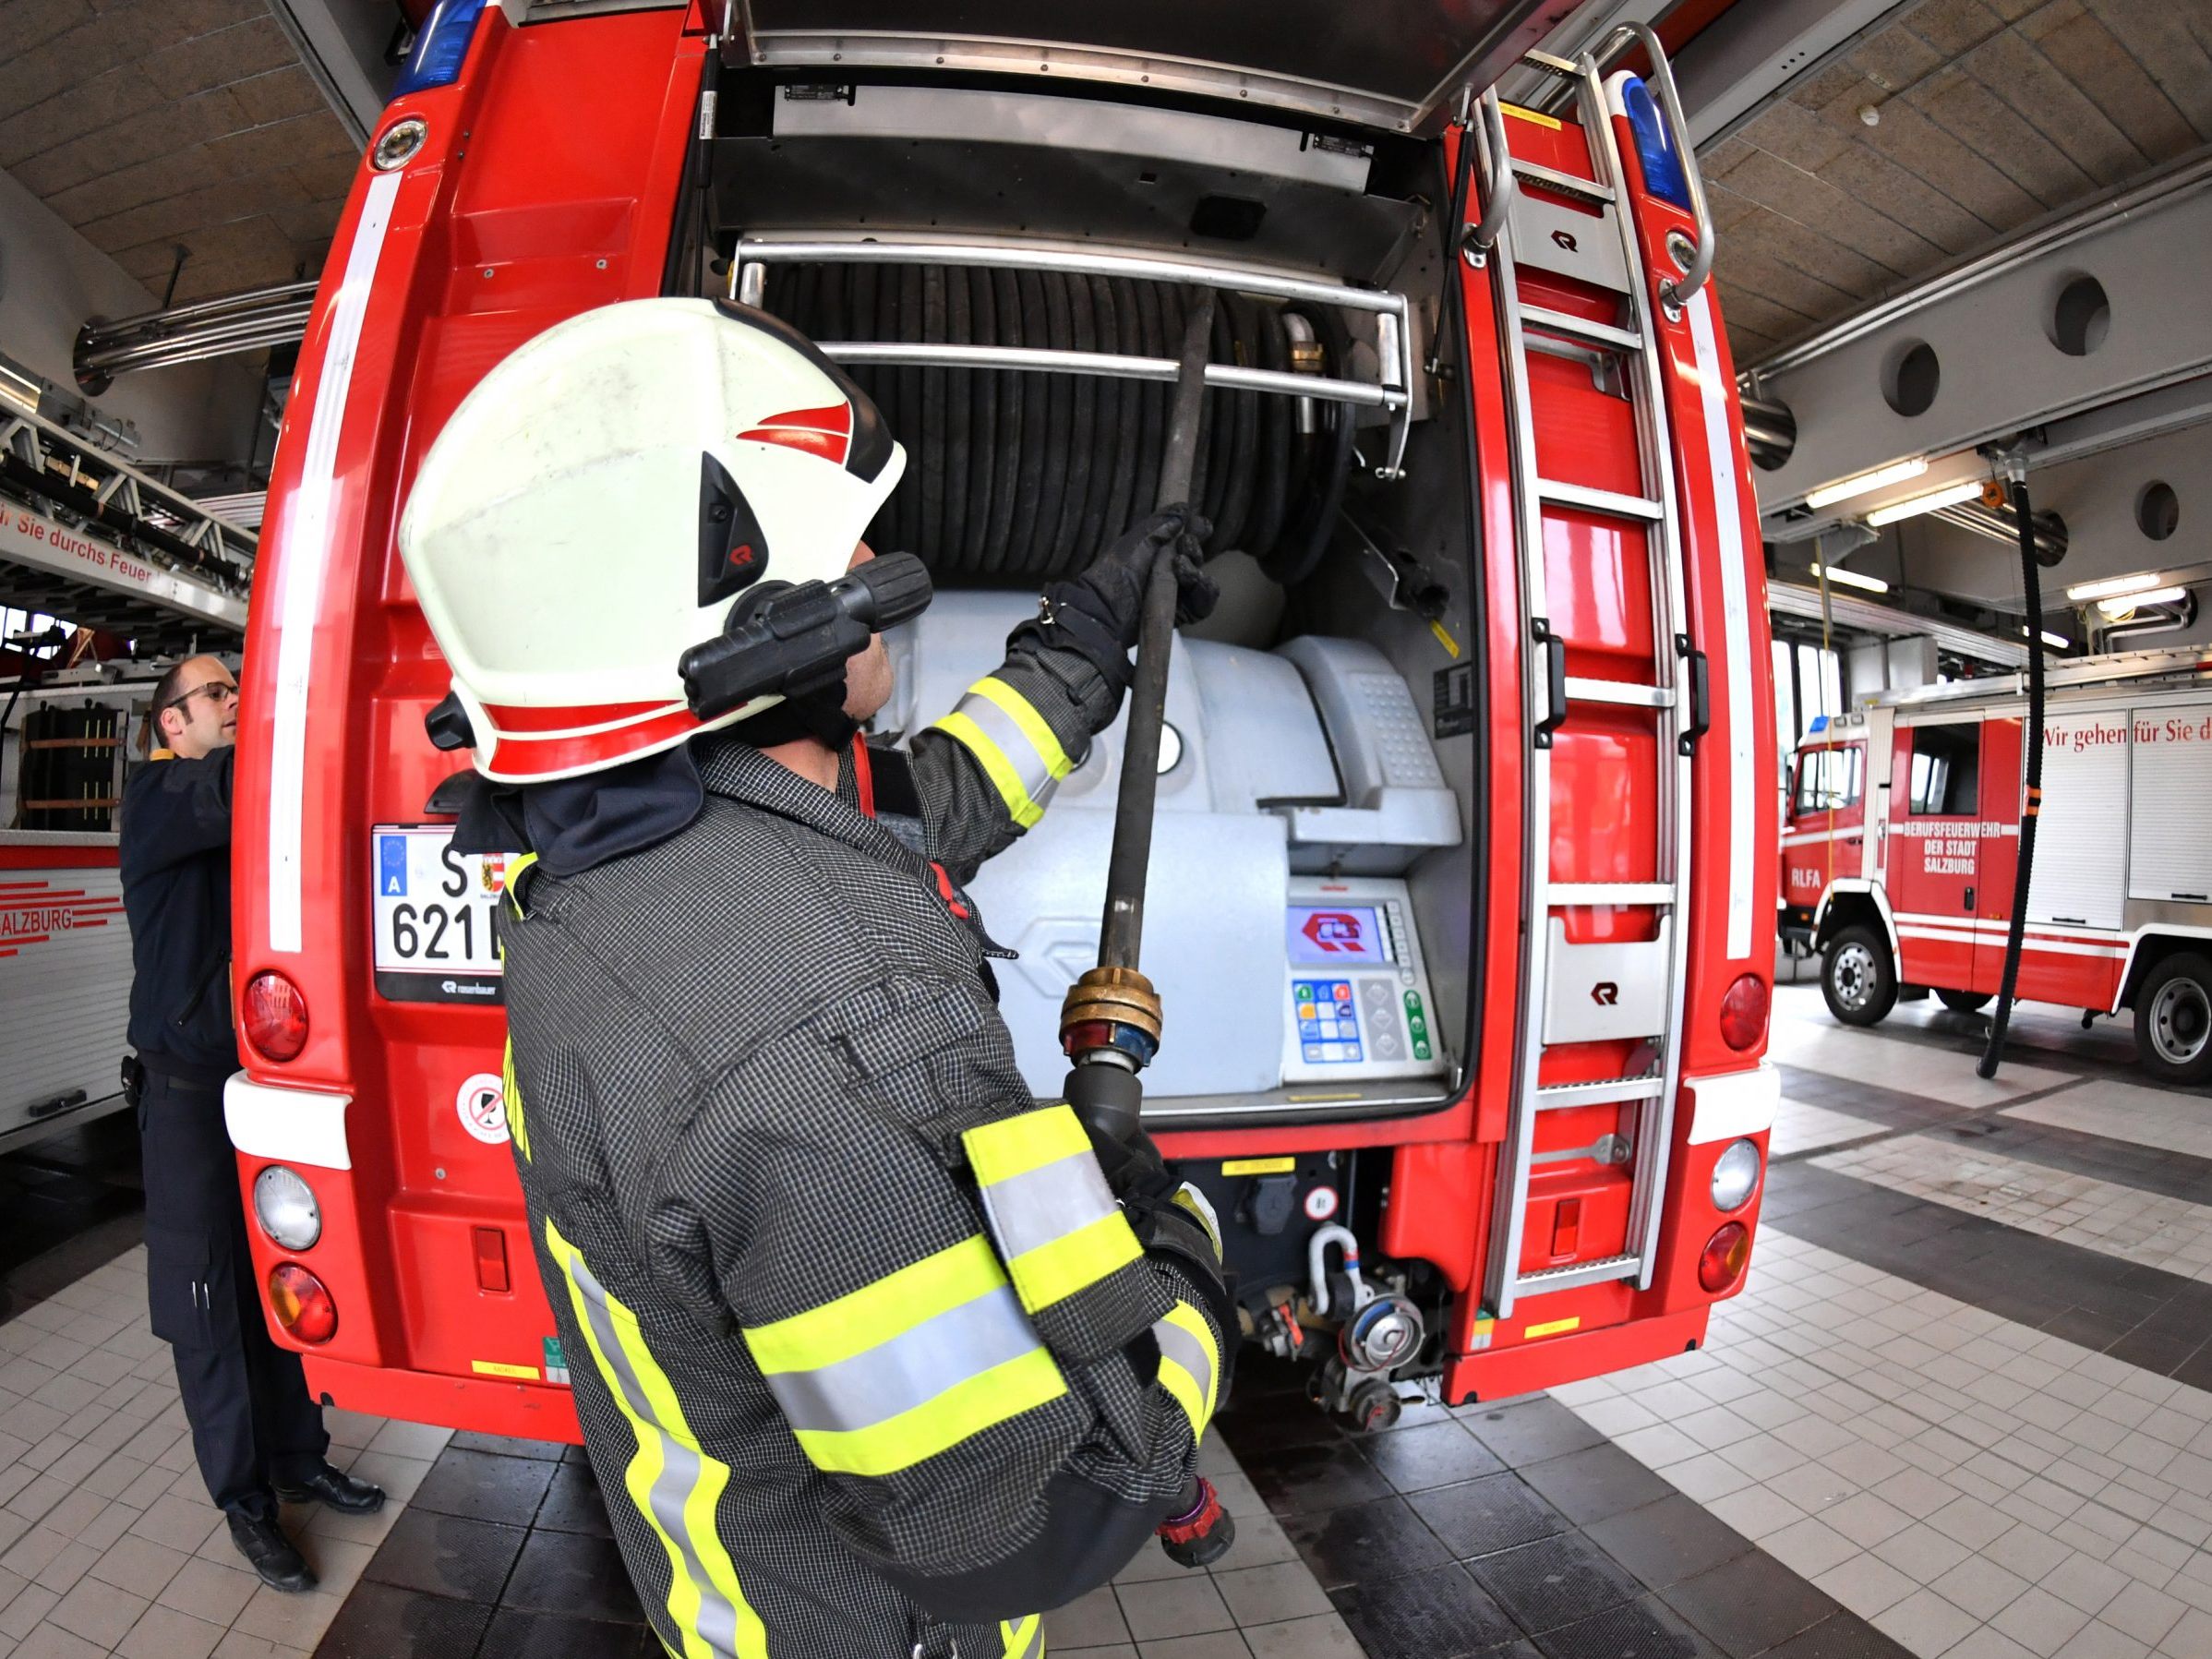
(1964,1002)
(2173,1019)
(1857,977)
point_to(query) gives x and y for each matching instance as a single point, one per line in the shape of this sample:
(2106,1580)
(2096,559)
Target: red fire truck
(1467,815)
(1901,850)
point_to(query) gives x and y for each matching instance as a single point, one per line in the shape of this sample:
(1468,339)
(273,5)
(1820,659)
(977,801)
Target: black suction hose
(2031,804)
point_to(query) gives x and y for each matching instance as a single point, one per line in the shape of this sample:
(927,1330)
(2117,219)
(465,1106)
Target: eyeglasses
(215,691)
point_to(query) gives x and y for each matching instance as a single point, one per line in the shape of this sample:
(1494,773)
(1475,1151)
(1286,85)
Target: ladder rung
(1599,500)
(1610,893)
(1581,327)
(1576,1273)
(1554,1096)
(1620,690)
(1566,183)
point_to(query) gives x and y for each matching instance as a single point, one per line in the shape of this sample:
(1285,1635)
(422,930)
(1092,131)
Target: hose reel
(1031,389)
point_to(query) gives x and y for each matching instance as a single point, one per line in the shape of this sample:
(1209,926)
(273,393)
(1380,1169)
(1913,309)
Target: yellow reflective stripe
(875,1313)
(1023,715)
(1074,1261)
(1194,1394)
(1190,1319)
(633,1371)
(1022,1638)
(514,868)
(516,1127)
(996,766)
(1017,1145)
(968,1408)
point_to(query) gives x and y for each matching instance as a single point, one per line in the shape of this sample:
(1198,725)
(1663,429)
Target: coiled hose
(1016,477)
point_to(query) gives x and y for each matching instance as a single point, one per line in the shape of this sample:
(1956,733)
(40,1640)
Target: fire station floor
(1963,1409)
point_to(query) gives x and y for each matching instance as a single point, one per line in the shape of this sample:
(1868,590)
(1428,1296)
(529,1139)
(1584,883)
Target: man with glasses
(256,1431)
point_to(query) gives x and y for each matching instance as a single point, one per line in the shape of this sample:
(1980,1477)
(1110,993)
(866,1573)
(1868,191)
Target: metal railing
(1394,345)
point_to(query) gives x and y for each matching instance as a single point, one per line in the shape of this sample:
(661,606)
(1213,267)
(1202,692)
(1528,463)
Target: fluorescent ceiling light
(2111,587)
(1951,495)
(2126,605)
(2057,641)
(1873,585)
(1844,490)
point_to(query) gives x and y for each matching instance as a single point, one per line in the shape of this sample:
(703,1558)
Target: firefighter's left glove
(1100,613)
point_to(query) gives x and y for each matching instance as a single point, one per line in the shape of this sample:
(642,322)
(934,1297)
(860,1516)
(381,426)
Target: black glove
(1119,575)
(1100,613)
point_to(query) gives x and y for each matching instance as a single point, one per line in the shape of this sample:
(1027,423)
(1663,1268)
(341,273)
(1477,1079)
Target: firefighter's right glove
(1100,613)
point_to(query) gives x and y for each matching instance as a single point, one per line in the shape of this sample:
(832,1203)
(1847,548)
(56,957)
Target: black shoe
(263,1544)
(338,1491)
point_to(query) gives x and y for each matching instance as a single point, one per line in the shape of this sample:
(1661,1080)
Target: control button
(1386,1047)
(1313,1051)
(1420,1049)
(1412,1003)
(1343,990)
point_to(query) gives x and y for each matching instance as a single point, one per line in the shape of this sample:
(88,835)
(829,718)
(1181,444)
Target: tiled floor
(108,1543)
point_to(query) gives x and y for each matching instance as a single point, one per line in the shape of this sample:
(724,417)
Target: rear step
(1646,978)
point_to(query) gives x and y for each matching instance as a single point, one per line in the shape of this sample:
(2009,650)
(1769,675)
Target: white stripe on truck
(1736,616)
(306,553)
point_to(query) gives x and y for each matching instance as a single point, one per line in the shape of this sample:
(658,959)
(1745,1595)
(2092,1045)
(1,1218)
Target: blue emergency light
(439,46)
(1662,175)
(1820,723)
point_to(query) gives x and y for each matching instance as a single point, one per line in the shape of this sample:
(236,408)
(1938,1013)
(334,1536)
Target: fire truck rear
(1466,828)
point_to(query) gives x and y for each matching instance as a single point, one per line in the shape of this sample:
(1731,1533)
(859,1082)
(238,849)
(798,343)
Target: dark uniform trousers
(253,1421)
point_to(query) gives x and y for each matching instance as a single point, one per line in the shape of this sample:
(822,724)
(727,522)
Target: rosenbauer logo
(1334,932)
(33,912)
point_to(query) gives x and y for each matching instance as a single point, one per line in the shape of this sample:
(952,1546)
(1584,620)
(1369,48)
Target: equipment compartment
(1005,272)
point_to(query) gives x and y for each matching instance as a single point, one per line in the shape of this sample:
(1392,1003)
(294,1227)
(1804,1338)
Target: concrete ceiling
(162,125)
(1990,113)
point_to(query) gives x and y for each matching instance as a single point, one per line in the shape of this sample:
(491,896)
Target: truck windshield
(1828,779)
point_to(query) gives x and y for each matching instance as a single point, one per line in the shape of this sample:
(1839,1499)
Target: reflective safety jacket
(870,1361)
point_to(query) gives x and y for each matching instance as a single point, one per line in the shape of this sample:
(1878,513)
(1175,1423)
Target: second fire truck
(1901,850)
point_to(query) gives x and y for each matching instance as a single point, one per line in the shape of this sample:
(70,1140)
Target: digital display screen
(1334,933)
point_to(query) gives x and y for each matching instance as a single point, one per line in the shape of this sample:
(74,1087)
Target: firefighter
(256,1431)
(875,1356)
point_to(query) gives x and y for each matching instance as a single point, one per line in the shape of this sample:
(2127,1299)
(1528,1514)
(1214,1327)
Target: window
(1946,771)
(1828,780)
(1808,685)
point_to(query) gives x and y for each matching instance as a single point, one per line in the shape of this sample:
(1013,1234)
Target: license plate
(437,923)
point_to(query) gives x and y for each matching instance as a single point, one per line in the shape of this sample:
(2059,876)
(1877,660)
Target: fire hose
(1110,1023)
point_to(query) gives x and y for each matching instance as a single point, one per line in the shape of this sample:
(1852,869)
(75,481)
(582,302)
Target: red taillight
(1743,1012)
(303,1306)
(276,1015)
(1726,1252)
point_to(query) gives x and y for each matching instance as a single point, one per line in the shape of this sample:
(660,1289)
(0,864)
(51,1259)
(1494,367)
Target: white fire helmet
(595,505)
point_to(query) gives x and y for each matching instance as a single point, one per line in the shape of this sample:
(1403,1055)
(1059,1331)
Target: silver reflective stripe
(680,1470)
(1186,1351)
(1034,769)
(910,1369)
(1048,1203)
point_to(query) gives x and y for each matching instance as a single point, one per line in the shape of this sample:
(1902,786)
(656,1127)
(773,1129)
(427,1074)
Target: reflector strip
(1049,1207)
(306,544)
(899,1370)
(1189,1363)
(1013,743)
(1022,1637)
(675,1486)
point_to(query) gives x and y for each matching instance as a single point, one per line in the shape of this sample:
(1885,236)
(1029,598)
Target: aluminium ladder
(1603,253)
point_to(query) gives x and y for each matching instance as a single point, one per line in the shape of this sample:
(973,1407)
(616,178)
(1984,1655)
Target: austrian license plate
(437,925)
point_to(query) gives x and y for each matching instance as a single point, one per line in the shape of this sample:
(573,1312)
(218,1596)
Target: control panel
(1359,1003)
